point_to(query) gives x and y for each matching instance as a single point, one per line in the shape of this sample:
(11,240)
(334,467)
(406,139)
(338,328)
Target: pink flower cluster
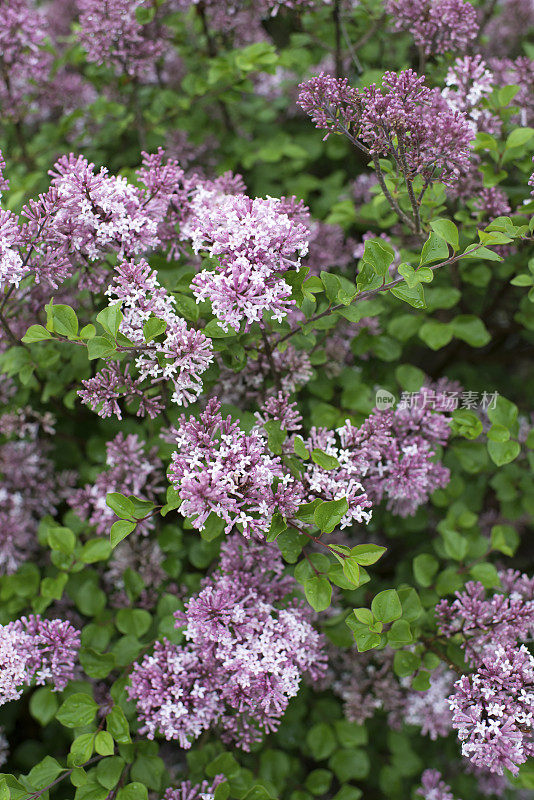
(199,791)
(493,706)
(248,648)
(252,242)
(396,450)
(84,216)
(468,83)
(183,355)
(36,650)
(402,119)
(366,683)
(130,471)
(110,34)
(29,489)
(218,468)
(433,787)
(26,61)
(436,25)
(493,709)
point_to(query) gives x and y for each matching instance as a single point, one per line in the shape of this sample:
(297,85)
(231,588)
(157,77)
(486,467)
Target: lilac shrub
(244,656)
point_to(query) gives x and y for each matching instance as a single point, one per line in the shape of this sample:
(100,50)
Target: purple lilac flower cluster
(397,450)
(183,355)
(130,471)
(366,683)
(26,62)
(218,468)
(493,706)
(254,242)
(248,646)
(493,709)
(199,791)
(29,487)
(36,650)
(111,34)
(436,25)
(402,119)
(433,787)
(82,217)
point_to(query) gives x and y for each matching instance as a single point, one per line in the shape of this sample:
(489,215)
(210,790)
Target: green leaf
(104,744)
(36,333)
(133,791)
(405,663)
(421,682)
(224,764)
(505,539)
(364,615)
(88,332)
(487,575)
(351,570)
(414,297)
(95,550)
(366,280)
(466,423)
(117,725)
(214,331)
(258,793)
(61,539)
(519,280)
(435,334)
(148,769)
(434,249)
(470,329)
(96,665)
(43,705)
(366,554)
(318,592)
(323,460)
(498,433)
(483,253)
(318,781)
(378,255)
(425,567)
(503,452)
(45,772)
(503,412)
(135,621)
(100,347)
(386,606)
(278,526)
(350,764)
(332,285)
(109,770)
(153,327)
(120,530)
(300,448)
(400,634)
(519,137)
(329,514)
(275,436)
(90,789)
(122,506)
(77,710)
(321,741)
(62,319)
(447,230)
(81,749)
(110,318)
